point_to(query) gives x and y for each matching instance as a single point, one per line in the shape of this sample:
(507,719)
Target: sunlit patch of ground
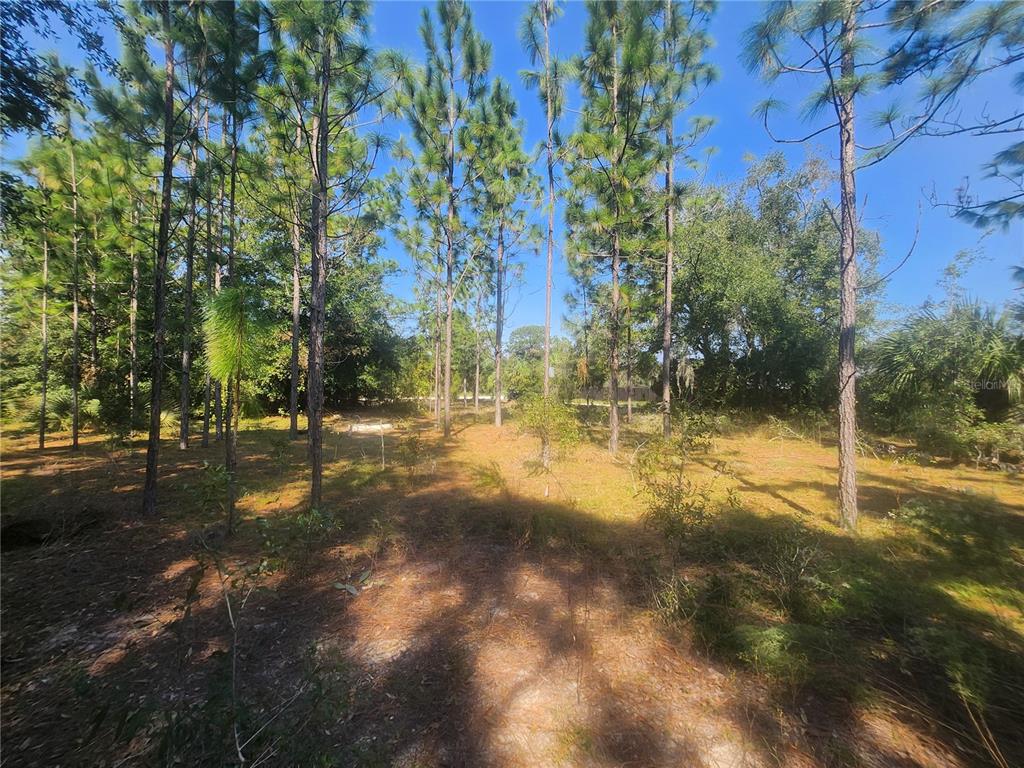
(450,605)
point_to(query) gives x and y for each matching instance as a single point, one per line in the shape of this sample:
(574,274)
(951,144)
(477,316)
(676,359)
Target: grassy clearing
(917,620)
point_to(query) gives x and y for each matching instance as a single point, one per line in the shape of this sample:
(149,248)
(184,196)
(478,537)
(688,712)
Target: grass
(918,618)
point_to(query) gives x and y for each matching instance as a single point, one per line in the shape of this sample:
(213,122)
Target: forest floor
(441,610)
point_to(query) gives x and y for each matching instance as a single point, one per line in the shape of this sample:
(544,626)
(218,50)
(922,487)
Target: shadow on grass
(118,644)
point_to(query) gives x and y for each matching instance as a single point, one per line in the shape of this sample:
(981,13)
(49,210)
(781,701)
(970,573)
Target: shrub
(676,505)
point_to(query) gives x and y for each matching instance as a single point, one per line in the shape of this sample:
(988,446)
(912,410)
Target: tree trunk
(545,443)
(76,367)
(499,322)
(186,335)
(613,372)
(94,352)
(218,406)
(449,257)
(848,294)
(293,399)
(208,383)
(437,350)
(613,368)
(234,400)
(670,226)
(160,272)
(629,362)
(45,367)
(476,374)
(318,285)
(133,335)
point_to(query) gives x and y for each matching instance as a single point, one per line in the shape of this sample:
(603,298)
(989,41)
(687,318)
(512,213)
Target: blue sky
(894,191)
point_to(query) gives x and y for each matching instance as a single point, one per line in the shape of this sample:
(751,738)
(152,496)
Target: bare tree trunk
(848,294)
(476,375)
(437,351)
(499,322)
(76,368)
(208,384)
(318,286)
(160,273)
(133,335)
(186,336)
(670,227)
(94,353)
(293,399)
(449,259)
(218,406)
(45,367)
(613,368)
(629,362)
(613,372)
(546,8)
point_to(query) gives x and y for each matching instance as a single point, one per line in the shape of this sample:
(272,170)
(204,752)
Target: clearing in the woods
(440,610)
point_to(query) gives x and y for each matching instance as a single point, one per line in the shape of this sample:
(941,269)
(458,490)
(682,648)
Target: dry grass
(441,611)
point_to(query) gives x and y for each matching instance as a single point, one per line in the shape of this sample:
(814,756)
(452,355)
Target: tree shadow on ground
(430,616)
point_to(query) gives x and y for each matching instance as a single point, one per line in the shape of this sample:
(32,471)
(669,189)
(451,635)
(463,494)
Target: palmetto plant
(944,352)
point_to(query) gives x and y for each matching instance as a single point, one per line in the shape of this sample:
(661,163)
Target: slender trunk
(629,363)
(613,368)
(476,375)
(318,287)
(848,294)
(549,119)
(45,367)
(208,383)
(186,335)
(94,354)
(499,322)
(293,399)
(234,404)
(586,347)
(437,350)
(613,372)
(159,276)
(545,443)
(133,335)
(76,368)
(670,226)
(218,405)
(450,255)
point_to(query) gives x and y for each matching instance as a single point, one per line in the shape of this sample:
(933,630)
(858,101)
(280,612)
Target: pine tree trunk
(613,372)
(848,294)
(208,383)
(613,368)
(499,322)
(45,367)
(476,374)
(94,353)
(293,399)
(133,336)
(76,366)
(437,350)
(160,272)
(629,363)
(318,286)
(545,443)
(218,406)
(670,226)
(234,401)
(186,335)
(449,259)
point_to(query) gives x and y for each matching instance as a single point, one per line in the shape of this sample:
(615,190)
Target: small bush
(676,505)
